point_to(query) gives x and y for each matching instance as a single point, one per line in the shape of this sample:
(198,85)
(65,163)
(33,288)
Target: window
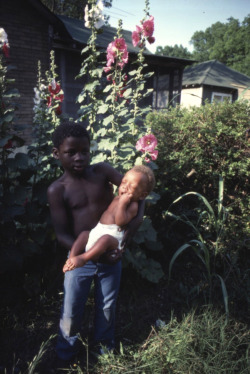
(219,97)
(161,91)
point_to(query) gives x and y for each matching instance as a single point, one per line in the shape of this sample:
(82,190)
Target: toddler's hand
(125,198)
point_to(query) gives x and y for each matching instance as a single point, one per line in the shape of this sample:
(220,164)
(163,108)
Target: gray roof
(81,34)
(214,73)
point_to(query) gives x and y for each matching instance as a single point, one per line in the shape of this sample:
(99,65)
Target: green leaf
(108,88)
(225,294)
(177,253)
(133,72)
(127,93)
(8,118)
(91,86)
(108,120)
(103,109)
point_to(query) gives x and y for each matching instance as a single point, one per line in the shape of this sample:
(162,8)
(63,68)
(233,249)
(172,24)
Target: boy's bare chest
(84,194)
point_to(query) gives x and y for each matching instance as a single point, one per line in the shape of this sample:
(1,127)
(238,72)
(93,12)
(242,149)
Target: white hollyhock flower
(94,15)
(3,37)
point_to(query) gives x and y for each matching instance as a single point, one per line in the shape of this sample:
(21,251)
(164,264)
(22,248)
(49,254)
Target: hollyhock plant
(4,42)
(54,89)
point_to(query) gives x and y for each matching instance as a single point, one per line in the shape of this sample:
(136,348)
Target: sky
(177,20)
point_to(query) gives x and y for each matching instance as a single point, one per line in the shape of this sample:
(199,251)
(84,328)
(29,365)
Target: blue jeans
(76,290)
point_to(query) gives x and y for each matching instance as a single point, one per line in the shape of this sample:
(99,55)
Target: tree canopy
(227,42)
(175,51)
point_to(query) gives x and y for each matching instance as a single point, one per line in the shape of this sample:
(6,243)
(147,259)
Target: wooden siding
(29,42)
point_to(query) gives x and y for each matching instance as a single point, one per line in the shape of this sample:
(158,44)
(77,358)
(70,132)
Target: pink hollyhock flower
(148,27)
(147,143)
(154,155)
(107,69)
(111,50)
(120,44)
(116,50)
(136,36)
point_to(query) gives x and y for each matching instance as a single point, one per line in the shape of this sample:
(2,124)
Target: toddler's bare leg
(80,243)
(103,244)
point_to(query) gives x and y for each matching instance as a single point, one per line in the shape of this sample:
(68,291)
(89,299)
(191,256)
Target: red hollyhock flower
(54,88)
(9,144)
(6,50)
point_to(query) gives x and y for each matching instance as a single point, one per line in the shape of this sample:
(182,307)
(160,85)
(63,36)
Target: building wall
(244,93)
(191,97)
(28,37)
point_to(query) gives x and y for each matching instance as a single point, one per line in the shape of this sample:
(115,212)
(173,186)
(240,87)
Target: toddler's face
(134,183)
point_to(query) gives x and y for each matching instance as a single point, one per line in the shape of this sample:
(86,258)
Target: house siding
(191,97)
(29,43)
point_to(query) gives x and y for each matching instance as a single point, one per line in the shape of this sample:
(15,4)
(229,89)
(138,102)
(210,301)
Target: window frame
(223,95)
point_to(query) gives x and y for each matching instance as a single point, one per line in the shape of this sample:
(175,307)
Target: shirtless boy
(77,200)
(108,234)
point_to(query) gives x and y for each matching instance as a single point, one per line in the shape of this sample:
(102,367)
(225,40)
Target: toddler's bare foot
(68,266)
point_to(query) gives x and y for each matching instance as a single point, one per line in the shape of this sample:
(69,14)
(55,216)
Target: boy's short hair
(68,129)
(148,173)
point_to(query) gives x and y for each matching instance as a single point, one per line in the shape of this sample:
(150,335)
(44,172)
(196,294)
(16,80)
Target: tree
(176,51)
(228,43)
(70,8)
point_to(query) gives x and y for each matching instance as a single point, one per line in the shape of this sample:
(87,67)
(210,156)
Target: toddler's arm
(126,210)
(134,224)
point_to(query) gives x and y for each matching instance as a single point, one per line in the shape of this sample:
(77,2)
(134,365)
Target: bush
(197,146)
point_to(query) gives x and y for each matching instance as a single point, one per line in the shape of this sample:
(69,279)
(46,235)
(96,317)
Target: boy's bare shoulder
(107,171)
(101,167)
(55,188)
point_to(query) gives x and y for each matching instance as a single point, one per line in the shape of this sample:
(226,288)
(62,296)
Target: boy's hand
(111,257)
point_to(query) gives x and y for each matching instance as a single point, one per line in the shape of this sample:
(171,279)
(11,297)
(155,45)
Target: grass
(186,341)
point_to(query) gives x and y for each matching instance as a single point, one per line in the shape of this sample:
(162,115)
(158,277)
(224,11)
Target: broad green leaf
(127,93)
(108,120)
(103,109)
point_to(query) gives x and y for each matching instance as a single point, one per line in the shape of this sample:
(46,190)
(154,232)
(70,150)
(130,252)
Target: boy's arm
(134,224)
(59,216)
(111,174)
